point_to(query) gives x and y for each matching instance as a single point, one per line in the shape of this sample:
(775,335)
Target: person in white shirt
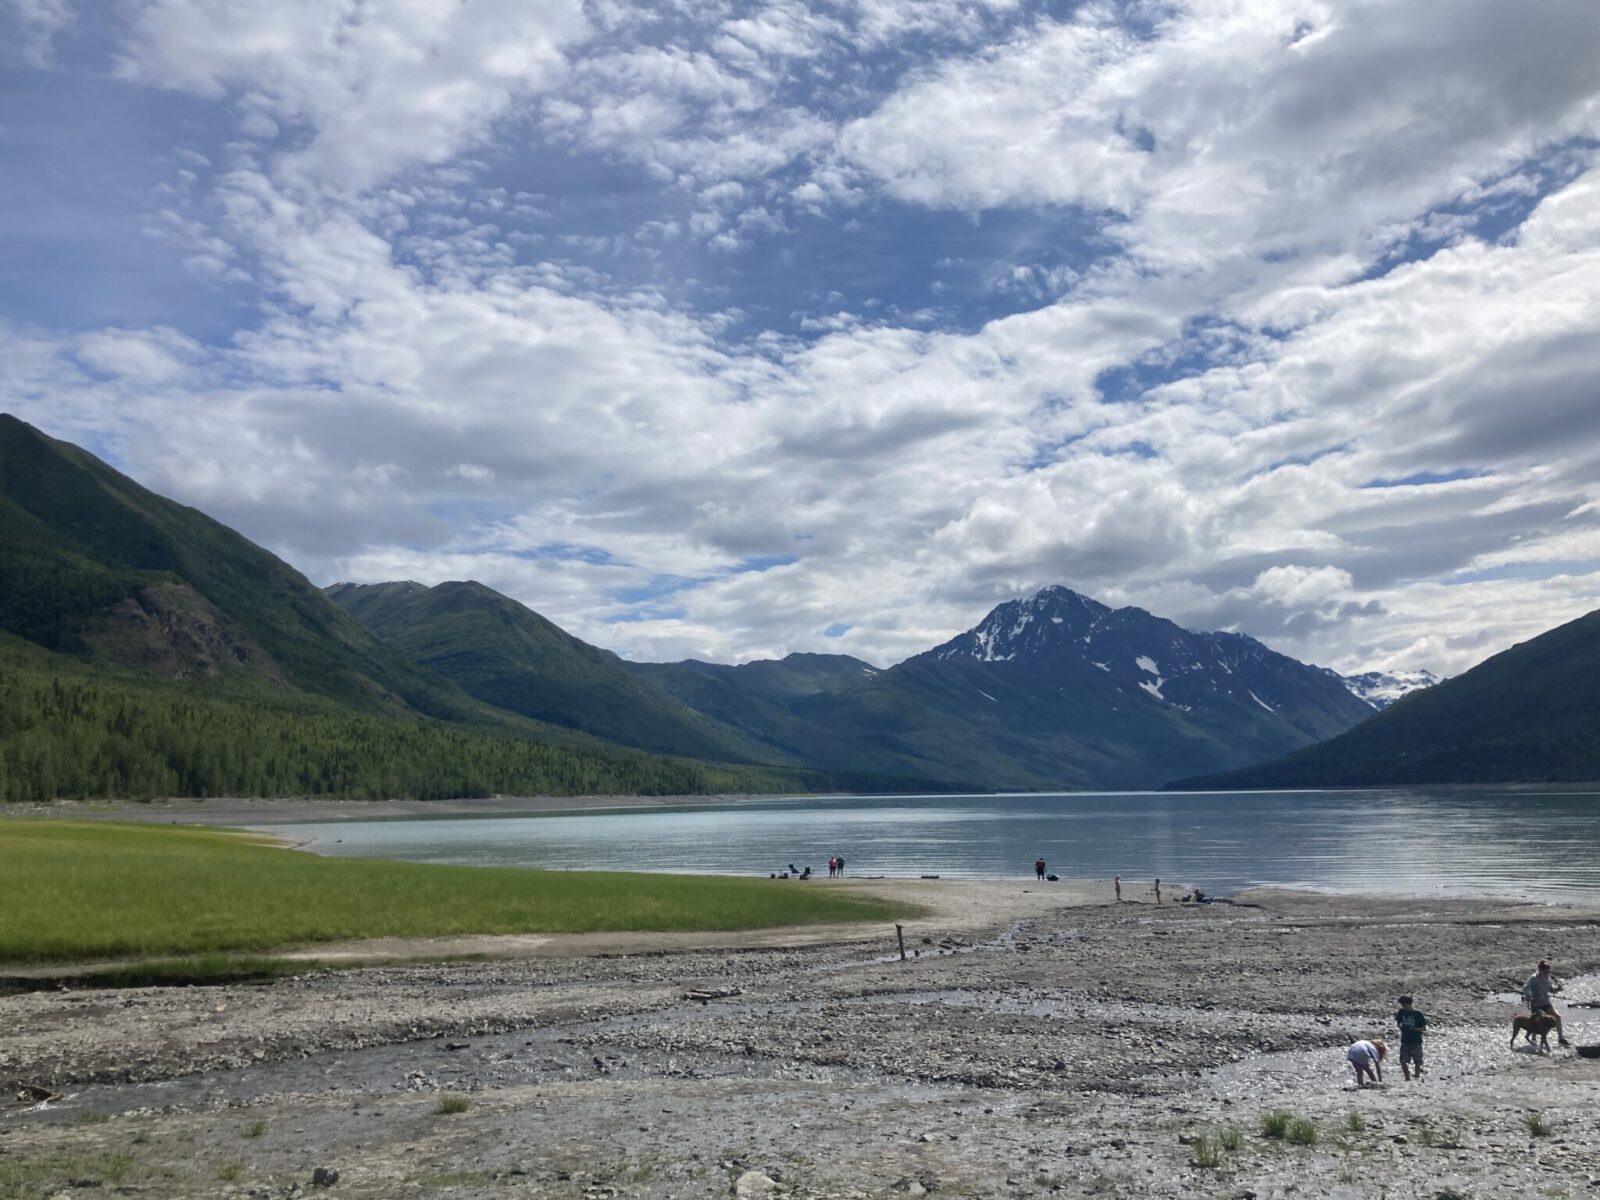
(1366,1059)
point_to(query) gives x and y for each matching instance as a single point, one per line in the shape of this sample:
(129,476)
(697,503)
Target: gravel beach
(1039,1040)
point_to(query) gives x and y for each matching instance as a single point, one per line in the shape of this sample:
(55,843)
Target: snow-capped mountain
(1382,688)
(1189,670)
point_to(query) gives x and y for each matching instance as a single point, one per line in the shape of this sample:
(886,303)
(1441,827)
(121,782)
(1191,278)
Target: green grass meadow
(89,890)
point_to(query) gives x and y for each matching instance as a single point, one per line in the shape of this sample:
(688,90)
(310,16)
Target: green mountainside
(93,565)
(146,649)
(507,655)
(1530,714)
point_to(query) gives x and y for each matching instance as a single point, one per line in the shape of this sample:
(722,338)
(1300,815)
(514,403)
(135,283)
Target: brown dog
(1533,1026)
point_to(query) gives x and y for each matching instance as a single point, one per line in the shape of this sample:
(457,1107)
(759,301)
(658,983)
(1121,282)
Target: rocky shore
(1039,1041)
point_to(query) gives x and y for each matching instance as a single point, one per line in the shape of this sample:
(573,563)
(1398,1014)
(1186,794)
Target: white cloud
(1271,127)
(378,87)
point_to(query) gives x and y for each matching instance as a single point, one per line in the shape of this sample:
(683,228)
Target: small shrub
(1355,1122)
(117,1166)
(452,1104)
(1537,1125)
(1275,1124)
(1230,1139)
(1347,1172)
(230,1170)
(1425,1134)
(255,1129)
(1301,1132)
(1206,1152)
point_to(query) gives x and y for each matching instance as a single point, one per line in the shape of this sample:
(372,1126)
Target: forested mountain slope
(146,649)
(507,655)
(1530,714)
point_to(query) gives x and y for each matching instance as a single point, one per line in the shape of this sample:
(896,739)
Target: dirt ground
(1039,1041)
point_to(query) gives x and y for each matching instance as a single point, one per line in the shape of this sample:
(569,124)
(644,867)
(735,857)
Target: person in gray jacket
(1537,992)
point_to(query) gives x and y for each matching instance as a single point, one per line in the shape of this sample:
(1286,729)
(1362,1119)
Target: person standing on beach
(1412,1023)
(1537,993)
(839,863)
(1158,891)
(833,866)
(1117,883)
(1038,868)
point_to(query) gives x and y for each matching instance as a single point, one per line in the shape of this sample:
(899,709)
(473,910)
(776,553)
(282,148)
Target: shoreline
(306,810)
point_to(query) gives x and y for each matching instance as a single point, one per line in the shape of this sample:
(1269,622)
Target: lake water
(1455,842)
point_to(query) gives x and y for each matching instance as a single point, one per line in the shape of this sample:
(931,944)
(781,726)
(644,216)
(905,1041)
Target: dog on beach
(1535,1027)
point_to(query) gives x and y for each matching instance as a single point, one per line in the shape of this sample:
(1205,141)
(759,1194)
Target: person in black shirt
(1412,1023)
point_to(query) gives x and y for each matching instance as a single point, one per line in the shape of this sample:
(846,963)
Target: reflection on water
(1446,842)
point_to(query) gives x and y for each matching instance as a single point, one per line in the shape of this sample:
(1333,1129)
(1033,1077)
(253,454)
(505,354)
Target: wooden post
(900,934)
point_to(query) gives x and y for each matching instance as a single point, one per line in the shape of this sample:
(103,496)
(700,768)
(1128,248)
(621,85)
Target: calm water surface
(1433,842)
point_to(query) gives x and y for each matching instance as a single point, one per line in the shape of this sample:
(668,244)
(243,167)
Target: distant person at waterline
(1366,1059)
(1537,993)
(1038,868)
(1117,883)
(833,866)
(1158,891)
(839,865)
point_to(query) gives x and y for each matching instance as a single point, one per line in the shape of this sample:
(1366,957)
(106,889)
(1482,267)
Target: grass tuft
(1355,1122)
(450,1105)
(1230,1139)
(78,890)
(1536,1124)
(117,1165)
(1275,1124)
(231,1170)
(255,1129)
(1206,1152)
(1301,1132)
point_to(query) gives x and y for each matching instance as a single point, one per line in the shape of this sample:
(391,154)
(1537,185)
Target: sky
(730,330)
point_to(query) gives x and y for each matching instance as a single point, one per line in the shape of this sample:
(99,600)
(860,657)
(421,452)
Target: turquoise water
(1453,842)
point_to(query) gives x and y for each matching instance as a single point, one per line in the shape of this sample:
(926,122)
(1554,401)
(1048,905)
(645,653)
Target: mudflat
(1038,1040)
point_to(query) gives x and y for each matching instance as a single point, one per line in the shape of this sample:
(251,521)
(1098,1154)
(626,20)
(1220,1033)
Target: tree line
(63,736)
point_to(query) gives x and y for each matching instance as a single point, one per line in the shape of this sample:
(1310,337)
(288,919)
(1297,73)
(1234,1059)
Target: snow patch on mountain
(1382,688)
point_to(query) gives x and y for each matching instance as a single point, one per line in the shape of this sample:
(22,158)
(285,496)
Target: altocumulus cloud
(733,330)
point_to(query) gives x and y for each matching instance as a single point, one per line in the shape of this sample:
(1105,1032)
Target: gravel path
(1039,1042)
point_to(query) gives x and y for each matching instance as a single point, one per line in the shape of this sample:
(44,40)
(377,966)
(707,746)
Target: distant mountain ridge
(1530,714)
(1053,691)
(507,655)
